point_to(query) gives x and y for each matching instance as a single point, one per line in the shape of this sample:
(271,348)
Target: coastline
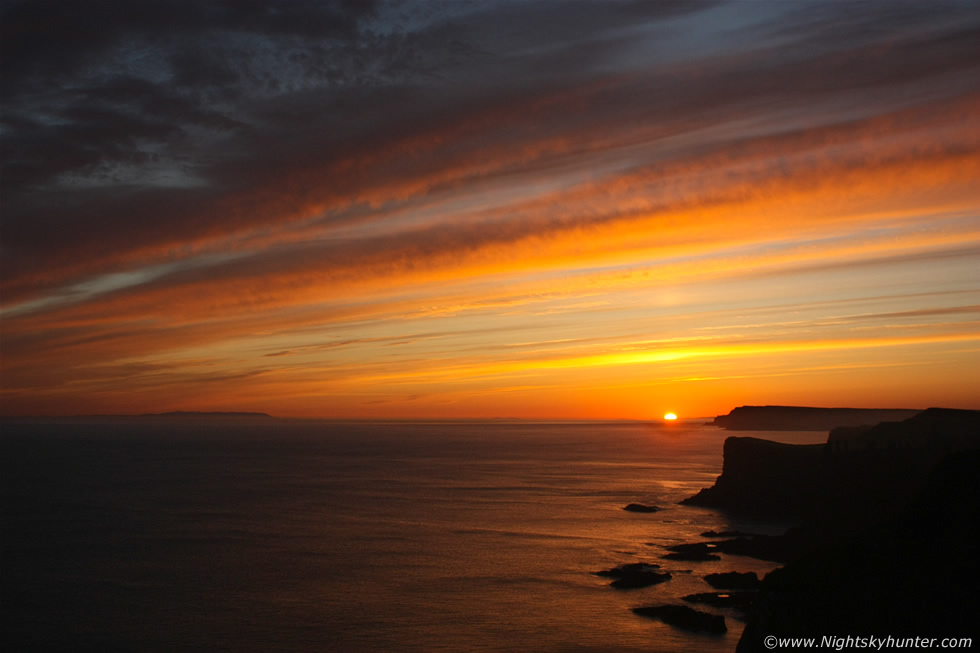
(884,542)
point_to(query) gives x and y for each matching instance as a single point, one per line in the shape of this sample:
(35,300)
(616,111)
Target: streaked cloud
(467,208)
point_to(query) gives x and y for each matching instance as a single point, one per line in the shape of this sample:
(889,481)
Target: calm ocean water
(286,535)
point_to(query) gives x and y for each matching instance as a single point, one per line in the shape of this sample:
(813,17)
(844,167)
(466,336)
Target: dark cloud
(58,38)
(850,23)
(94,78)
(141,132)
(96,141)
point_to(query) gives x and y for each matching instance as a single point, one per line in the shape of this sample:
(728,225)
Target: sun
(670,417)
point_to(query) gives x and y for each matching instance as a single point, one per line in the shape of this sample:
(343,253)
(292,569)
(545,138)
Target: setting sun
(670,417)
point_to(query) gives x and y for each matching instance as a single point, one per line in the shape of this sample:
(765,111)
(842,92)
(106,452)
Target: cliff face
(913,575)
(767,479)
(860,472)
(938,429)
(888,545)
(802,418)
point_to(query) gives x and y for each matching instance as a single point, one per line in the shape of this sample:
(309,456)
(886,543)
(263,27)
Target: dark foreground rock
(692,552)
(734,580)
(915,574)
(766,479)
(681,616)
(805,418)
(634,575)
(639,507)
(741,601)
(773,548)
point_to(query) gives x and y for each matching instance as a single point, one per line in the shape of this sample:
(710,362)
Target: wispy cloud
(347,200)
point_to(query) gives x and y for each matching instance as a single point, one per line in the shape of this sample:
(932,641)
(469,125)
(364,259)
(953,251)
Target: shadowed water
(283,535)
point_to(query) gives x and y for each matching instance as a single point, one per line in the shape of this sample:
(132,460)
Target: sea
(264,534)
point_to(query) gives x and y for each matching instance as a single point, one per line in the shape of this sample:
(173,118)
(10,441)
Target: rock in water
(627,569)
(640,579)
(692,552)
(634,575)
(639,507)
(681,616)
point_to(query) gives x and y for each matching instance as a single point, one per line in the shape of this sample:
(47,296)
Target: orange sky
(709,206)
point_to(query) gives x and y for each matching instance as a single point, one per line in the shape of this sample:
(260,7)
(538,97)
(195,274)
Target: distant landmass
(804,418)
(193,413)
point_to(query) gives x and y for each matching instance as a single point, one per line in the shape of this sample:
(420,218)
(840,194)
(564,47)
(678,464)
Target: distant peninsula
(804,418)
(194,413)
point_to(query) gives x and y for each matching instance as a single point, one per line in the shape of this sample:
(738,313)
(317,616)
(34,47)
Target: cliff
(803,418)
(887,546)
(766,479)
(938,429)
(912,575)
(860,472)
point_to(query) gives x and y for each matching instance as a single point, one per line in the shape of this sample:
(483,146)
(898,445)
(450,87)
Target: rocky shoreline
(886,540)
(884,543)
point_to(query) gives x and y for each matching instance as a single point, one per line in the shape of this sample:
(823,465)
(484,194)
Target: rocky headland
(886,540)
(766,479)
(858,473)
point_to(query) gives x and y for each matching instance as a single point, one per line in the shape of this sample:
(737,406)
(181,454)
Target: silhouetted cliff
(887,546)
(803,418)
(767,479)
(912,575)
(859,472)
(936,429)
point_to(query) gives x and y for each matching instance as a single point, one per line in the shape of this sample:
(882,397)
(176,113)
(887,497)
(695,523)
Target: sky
(532,209)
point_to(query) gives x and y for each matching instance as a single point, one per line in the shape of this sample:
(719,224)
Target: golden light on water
(670,417)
